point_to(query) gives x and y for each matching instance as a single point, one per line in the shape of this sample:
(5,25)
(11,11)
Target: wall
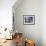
(28,7)
(43,22)
(6,13)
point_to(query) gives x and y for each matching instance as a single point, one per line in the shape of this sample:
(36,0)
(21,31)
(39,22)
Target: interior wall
(6,13)
(28,7)
(43,22)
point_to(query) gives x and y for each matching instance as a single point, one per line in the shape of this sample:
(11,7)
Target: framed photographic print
(28,19)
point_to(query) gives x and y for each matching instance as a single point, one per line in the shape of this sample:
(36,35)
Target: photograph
(29,19)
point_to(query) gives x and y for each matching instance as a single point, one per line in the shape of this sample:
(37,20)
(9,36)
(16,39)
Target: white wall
(43,22)
(28,7)
(6,13)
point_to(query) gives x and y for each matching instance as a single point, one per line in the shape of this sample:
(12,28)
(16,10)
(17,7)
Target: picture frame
(28,19)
